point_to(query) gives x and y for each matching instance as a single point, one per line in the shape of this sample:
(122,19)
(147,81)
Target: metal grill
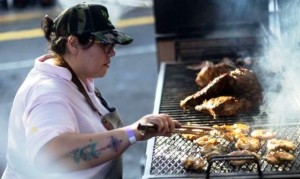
(165,154)
(169,152)
(179,82)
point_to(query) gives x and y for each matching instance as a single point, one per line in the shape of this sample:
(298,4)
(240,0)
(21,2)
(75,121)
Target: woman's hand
(165,126)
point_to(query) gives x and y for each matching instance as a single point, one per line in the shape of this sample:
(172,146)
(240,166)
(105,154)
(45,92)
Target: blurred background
(130,82)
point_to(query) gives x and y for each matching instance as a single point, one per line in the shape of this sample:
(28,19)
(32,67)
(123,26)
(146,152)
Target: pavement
(116,8)
(131,82)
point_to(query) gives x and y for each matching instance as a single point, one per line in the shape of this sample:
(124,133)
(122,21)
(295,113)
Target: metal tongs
(184,129)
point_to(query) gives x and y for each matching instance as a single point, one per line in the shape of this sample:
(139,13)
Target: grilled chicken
(209,72)
(232,132)
(210,150)
(229,136)
(200,65)
(207,148)
(214,153)
(225,131)
(198,164)
(284,156)
(241,87)
(218,86)
(241,153)
(224,106)
(279,157)
(193,163)
(190,136)
(246,85)
(270,158)
(223,128)
(188,162)
(248,143)
(262,134)
(241,128)
(275,144)
(206,139)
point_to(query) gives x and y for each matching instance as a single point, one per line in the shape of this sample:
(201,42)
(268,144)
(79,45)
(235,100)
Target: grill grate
(168,152)
(179,82)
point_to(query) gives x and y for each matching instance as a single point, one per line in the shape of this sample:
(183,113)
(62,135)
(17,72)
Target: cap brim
(113,36)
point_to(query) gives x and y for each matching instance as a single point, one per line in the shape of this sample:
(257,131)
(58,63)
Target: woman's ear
(73,44)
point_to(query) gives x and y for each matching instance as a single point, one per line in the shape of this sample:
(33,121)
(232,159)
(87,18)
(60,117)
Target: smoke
(280,69)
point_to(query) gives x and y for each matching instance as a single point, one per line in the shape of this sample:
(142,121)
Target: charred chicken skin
(246,85)
(219,86)
(209,72)
(224,106)
(228,94)
(241,153)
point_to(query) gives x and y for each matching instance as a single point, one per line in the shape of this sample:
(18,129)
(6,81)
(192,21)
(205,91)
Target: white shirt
(46,105)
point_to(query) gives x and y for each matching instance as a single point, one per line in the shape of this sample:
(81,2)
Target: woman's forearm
(72,151)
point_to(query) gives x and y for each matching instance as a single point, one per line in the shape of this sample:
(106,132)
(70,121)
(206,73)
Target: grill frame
(203,119)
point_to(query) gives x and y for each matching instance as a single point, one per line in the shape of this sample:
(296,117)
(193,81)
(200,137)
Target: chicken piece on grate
(279,157)
(209,72)
(219,86)
(206,139)
(199,164)
(190,137)
(241,153)
(193,163)
(209,150)
(284,156)
(276,144)
(224,106)
(232,132)
(240,84)
(248,143)
(246,85)
(200,65)
(188,162)
(263,134)
(241,128)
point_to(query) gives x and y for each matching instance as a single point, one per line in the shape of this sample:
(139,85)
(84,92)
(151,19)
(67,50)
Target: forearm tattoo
(90,151)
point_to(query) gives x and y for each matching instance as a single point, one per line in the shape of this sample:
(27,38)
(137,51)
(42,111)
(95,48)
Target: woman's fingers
(165,124)
(177,123)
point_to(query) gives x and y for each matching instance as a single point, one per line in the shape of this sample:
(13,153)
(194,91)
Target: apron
(116,169)
(115,172)
(112,119)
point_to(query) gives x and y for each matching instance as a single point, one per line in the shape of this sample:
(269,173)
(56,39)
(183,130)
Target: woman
(60,126)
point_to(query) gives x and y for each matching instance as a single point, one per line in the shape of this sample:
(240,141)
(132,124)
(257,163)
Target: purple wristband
(130,135)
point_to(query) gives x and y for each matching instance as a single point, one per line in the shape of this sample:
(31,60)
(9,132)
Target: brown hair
(58,43)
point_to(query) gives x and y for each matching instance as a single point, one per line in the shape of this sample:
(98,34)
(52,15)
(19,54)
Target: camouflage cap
(89,18)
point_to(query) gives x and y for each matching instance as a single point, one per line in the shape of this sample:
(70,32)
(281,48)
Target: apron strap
(80,87)
(102,100)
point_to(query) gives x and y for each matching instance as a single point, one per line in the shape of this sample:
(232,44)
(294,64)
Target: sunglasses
(108,47)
